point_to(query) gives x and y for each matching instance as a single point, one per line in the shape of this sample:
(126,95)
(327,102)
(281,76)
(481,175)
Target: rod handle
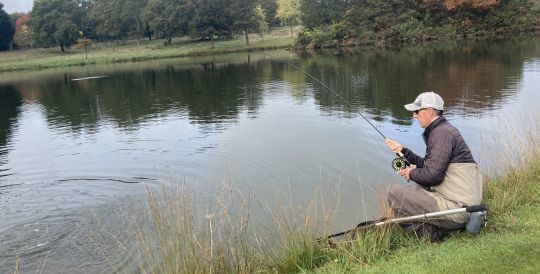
(476,208)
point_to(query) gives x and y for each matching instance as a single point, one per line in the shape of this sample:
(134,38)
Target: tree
(167,18)
(56,22)
(212,18)
(270,8)
(134,9)
(244,21)
(23,32)
(322,12)
(84,42)
(259,14)
(117,19)
(108,20)
(6,29)
(288,12)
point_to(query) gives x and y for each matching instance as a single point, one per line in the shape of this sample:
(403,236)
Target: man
(446,178)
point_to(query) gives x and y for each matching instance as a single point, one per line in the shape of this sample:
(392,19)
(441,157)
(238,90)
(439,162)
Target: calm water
(73,152)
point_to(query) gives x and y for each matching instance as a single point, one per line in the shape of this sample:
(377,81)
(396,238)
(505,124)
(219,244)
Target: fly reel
(398,164)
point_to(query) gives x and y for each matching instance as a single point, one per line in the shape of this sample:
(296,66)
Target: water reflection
(10,102)
(208,94)
(473,78)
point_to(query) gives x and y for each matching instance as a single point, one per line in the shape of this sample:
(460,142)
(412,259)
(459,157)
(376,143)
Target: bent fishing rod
(398,163)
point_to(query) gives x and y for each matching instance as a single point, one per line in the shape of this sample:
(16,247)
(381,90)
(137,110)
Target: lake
(75,156)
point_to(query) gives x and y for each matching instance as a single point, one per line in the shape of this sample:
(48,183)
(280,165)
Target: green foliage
(7,30)
(244,19)
(320,37)
(322,12)
(56,22)
(289,12)
(270,7)
(212,19)
(260,17)
(445,32)
(512,16)
(412,30)
(168,18)
(411,21)
(116,19)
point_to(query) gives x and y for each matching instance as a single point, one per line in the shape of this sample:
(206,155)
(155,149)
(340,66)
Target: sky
(11,6)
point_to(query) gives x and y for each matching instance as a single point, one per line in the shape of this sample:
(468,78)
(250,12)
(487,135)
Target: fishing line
(327,87)
(398,163)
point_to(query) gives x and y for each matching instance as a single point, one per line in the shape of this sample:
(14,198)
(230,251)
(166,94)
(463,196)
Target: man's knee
(396,198)
(395,195)
(410,199)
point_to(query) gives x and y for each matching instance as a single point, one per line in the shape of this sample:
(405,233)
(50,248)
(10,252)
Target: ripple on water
(66,240)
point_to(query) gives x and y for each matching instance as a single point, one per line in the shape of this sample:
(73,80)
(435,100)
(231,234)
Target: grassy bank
(131,51)
(223,238)
(509,243)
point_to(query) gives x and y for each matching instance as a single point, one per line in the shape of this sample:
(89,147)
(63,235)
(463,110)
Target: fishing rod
(398,163)
(475,223)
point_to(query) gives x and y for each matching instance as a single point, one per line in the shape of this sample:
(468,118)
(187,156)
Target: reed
(187,239)
(513,176)
(223,237)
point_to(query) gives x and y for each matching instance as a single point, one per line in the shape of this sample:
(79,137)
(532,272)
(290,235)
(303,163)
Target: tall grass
(224,237)
(187,239)
(512,179)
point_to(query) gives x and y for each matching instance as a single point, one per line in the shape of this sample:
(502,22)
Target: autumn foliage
(23,33)
(471,4)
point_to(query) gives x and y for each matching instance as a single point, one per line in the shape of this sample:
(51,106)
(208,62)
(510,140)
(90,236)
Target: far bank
(133,51)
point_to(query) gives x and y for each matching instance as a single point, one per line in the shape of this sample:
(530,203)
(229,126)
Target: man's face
(424,116)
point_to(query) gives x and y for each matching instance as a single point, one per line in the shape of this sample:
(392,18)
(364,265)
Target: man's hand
(393,145)
(406,172)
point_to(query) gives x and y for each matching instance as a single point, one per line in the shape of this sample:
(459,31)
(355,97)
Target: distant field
(130,51)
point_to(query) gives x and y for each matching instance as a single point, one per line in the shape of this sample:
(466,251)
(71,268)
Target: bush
(445,32)
(412,30)
(321,37)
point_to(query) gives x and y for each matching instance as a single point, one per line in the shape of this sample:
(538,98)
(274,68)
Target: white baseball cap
(426,100)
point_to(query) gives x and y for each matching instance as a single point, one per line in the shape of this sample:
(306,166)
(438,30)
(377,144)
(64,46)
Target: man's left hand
(406,172)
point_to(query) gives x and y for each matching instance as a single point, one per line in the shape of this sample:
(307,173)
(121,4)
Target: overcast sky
(11,6)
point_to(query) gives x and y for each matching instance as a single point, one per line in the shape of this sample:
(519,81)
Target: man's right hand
(393,146)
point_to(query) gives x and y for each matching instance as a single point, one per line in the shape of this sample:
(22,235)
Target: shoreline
(137,51)
(37,59)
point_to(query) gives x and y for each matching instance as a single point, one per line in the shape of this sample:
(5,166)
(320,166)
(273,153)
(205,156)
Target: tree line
(413,21)
(63,22)
(326,22)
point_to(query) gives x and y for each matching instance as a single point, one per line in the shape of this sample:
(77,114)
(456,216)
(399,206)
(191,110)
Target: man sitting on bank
(446,178)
